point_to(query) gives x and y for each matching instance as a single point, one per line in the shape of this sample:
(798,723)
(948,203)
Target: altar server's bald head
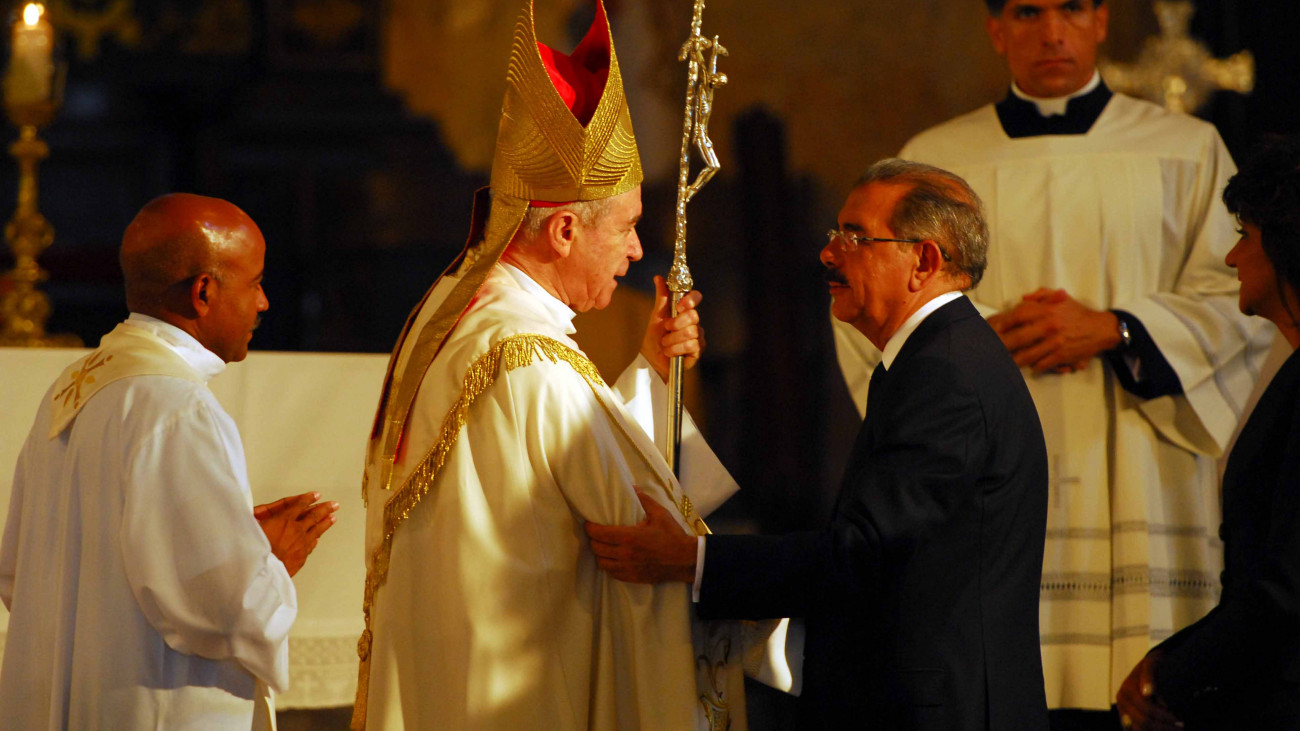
(196,262)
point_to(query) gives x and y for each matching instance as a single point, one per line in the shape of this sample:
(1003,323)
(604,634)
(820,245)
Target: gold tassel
(363,681)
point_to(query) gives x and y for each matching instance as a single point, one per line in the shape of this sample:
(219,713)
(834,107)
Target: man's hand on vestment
(654,551)
(666,337)
(293,525)
(1139,707)
(1050,331)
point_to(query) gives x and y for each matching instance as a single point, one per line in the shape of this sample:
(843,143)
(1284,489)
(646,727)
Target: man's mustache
(833,275)
(258,322)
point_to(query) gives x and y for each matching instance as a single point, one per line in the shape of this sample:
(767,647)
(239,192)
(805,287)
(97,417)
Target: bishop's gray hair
(589,212)
(940,206)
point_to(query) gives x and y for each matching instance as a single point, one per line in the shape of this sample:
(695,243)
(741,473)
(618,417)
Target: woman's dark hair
(1265,192)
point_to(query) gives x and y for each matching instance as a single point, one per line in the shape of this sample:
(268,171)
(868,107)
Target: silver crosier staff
(701,55)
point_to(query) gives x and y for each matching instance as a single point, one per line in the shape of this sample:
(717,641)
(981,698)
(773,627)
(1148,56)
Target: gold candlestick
(23,307)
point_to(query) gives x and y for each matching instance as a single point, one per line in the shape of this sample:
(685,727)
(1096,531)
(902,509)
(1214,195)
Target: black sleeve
(1158,377)
(1251,632)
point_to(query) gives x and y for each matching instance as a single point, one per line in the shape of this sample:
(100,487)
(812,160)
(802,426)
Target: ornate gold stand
(24,308)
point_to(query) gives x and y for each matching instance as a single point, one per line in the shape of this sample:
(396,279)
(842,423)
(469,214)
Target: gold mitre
(546,150)
(565,135)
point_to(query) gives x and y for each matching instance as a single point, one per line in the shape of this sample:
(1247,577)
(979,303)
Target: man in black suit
(921,597)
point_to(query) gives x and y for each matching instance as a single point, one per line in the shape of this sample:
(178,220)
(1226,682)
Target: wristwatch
(1125,337)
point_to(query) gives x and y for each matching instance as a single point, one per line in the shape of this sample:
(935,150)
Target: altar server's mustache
(831,274)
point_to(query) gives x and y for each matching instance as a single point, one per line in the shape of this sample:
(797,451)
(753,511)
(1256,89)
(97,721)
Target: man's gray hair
(589,212)
(940,206)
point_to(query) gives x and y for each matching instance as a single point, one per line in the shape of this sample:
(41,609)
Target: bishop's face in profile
(601,253)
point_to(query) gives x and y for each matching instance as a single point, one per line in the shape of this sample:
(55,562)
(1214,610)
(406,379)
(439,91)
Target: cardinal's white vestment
(488,610)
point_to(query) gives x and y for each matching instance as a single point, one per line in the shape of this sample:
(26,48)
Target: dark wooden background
(278,106)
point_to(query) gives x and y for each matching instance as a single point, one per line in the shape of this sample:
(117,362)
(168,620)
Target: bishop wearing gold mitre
(496,439)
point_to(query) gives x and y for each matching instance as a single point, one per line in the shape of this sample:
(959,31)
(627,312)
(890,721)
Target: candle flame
(32,13)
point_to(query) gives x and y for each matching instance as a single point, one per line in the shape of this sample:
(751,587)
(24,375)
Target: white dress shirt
(1055,106)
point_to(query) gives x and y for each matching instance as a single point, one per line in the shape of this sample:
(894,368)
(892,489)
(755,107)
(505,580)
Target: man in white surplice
(1106,281)
(142,594)
(496,438)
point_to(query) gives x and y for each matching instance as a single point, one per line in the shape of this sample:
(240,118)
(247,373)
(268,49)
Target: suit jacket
(1239,666)
(921,597)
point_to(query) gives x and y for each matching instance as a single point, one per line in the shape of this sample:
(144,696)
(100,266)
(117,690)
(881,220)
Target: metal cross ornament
(1177,70)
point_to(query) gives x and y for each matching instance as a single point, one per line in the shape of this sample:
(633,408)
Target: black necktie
(876,376)
(862,444)
(874,389)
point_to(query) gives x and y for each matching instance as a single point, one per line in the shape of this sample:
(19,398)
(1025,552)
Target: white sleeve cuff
(699,569)
(1134,364)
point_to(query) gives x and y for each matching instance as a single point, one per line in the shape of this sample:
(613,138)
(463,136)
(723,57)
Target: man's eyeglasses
(849,241)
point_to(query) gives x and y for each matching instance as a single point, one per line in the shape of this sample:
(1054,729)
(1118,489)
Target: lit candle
(31,61)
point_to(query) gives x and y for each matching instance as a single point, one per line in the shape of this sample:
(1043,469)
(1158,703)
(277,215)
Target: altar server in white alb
(1107,283)
(496,438)
(143,593)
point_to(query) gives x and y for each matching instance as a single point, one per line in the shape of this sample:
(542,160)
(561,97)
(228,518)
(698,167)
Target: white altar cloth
(304,419)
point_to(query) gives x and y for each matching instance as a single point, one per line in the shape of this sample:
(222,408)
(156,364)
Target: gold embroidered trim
(82,376)
(513,352)
(504,220)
